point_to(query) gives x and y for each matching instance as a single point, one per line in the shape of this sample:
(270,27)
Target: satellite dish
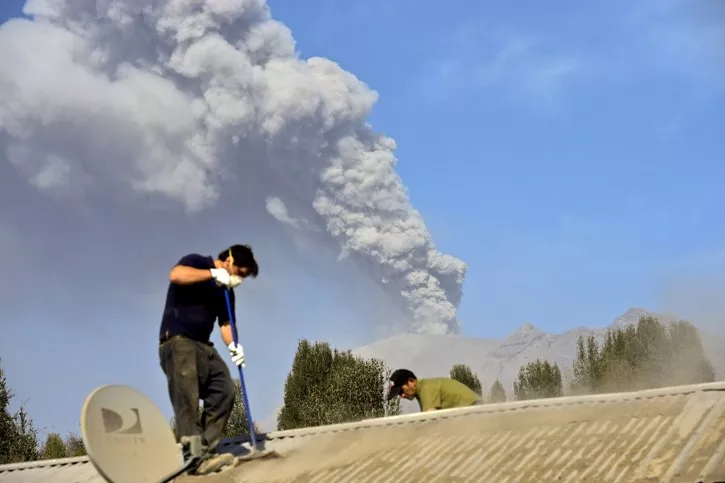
(127,437)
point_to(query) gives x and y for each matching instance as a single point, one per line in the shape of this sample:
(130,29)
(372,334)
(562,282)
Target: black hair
(243,257)
(401,376)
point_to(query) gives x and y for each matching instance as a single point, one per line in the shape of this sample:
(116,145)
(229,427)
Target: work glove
(223,278)
(237,353)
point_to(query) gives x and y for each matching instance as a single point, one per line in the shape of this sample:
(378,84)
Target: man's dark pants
(194,371)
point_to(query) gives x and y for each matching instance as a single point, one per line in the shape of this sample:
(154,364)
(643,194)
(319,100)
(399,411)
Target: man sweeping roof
(194,369)
(431,393)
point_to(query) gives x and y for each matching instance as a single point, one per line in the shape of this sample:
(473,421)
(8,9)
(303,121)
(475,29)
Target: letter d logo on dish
(127,423)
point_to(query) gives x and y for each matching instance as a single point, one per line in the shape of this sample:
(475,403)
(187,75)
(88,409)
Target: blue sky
(572,156)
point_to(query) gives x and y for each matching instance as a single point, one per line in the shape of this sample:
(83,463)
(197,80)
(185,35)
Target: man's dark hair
(401,376)
(243,257)
(397,380)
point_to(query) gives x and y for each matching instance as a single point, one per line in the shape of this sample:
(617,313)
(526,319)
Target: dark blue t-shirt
(192,309)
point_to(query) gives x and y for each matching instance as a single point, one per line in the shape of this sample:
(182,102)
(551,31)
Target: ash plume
(189,99)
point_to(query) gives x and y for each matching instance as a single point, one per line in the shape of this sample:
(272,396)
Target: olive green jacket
(444,393)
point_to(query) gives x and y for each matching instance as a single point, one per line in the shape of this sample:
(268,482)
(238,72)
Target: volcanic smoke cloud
(167,97)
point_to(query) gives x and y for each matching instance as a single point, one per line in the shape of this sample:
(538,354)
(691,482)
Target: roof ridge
(494,407)
(71,460)
(421,418)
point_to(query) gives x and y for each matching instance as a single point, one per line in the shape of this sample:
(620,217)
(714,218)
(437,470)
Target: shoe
(213,463)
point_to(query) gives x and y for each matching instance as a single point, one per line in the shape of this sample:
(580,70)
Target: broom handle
(241,374)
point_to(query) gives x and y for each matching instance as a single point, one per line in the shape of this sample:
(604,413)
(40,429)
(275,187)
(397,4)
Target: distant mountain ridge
(491,359)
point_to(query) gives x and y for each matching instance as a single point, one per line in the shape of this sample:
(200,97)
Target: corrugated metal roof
(663,435)
(66,470)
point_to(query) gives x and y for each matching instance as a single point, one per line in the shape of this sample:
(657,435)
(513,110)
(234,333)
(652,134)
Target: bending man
(433,393)
(193,367)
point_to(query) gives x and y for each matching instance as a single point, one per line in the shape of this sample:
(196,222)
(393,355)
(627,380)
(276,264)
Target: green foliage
(327,386)
(237,424)
(462,373)
(18,436)
(498,393)
(54,447)
(7,424)
(538,379)
(74,446)
(648,355)
(26,442)
(689,365)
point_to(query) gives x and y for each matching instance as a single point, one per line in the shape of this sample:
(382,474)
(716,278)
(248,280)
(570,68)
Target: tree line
(647,355)
(19,435)
(328,386)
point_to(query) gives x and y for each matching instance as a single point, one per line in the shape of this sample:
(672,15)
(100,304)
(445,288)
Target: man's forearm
(182,275)
(226,333)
